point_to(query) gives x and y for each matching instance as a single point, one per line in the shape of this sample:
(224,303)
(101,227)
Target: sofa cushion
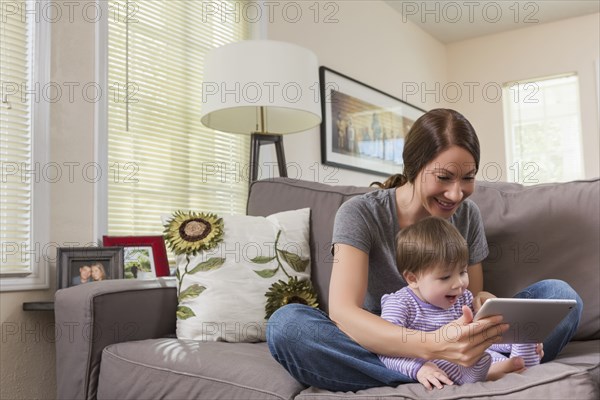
(548,231)
(187,369)
(227,292)
(574,375)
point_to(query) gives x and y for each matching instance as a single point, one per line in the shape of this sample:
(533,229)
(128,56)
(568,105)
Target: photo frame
(144,257)
(363,128)
(82,265)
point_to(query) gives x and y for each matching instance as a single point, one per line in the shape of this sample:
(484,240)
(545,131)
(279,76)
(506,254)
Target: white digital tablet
(530,320)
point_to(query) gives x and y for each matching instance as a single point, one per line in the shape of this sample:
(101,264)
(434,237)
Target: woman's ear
(411,279)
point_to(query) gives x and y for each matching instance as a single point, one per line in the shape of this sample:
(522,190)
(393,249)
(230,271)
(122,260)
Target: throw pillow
(234,271)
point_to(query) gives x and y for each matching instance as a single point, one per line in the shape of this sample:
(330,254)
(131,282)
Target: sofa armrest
(90,317)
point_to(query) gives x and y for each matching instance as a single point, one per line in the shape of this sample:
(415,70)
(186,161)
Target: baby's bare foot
(499,369)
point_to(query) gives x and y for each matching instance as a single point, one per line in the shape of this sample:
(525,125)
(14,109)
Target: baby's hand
(429,374)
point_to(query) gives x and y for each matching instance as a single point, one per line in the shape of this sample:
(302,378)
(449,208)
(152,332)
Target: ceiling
(453,21)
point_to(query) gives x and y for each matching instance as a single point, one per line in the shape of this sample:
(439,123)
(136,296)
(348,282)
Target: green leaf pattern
(262,259)
(184,312)
(267,273)
(191,292)
(208,265)
(194,290)
(293,260)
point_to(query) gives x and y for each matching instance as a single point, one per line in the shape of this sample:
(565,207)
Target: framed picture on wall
(363,128)
(144,257)
(84,265)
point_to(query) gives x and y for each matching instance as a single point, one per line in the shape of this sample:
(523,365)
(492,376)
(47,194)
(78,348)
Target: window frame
(258,31)
(525,174)
(38,275)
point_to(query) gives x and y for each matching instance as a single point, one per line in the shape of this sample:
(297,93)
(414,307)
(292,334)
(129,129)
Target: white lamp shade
(242,77)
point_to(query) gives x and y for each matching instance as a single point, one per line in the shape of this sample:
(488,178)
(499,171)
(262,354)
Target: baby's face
(441,286)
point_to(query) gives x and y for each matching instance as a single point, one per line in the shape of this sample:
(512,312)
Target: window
(23,149)
(160,157)
(543,130)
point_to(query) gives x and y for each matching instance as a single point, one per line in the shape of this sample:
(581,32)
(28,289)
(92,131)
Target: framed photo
(82,265)
(144,257)
(363,128)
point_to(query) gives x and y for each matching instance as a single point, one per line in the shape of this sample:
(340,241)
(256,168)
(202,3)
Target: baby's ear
(410,278)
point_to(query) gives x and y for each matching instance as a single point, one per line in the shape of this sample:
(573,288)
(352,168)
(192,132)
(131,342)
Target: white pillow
(225,298)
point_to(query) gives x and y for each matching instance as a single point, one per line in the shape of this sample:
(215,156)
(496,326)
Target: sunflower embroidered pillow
(234,271)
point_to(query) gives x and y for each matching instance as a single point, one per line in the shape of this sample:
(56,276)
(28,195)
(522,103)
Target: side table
(38,306)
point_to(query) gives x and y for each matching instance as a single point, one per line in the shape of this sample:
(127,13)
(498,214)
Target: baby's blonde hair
(430,242)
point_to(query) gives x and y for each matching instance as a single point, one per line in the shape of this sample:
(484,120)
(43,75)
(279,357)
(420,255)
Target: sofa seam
(522,187)
(110,354)
(336,189)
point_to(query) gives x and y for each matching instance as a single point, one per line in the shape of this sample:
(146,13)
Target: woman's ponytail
(393,181)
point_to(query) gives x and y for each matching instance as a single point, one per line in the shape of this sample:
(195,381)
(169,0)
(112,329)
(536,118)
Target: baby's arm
(396,311)
(407,366)
(427,373)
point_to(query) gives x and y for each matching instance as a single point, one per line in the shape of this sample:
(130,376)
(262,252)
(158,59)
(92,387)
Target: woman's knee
(558,289)
(286,323)
(561,289)
(554,289)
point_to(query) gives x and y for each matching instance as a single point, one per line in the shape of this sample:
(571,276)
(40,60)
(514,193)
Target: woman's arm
(347,292)
(475,272)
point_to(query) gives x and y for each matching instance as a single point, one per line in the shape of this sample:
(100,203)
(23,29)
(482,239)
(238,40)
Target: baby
(432,256)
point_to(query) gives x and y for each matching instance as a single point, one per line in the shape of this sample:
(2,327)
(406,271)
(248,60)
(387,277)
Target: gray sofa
(118,337)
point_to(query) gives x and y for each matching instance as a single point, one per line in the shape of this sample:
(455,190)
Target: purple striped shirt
(404,308)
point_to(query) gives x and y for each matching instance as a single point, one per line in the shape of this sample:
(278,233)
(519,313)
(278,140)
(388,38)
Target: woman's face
(96,274)
(446,181)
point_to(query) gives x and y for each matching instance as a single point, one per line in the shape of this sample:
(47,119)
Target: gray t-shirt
(370,223)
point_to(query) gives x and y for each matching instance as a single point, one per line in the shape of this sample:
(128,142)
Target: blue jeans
(317,353)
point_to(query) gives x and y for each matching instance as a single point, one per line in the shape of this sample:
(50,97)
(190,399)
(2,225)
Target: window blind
(160,157)
(543,130)
(16,184)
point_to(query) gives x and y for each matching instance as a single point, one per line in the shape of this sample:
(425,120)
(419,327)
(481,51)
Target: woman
(98,272)
(339,352)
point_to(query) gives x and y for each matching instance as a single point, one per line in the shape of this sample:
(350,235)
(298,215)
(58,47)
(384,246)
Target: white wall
(571,45)
(370,43)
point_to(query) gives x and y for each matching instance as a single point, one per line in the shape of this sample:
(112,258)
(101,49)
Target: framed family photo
(81,265)
(363,128)
(144,257)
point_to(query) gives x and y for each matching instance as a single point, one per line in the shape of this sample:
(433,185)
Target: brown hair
(432,133)
(430,242)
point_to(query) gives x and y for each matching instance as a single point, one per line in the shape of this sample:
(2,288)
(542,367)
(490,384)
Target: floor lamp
(263,88)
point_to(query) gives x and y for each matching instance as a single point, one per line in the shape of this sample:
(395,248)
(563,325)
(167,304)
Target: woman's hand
(430,374)
(464,341)
(480,298)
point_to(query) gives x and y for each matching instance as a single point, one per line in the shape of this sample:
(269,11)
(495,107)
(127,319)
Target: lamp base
(256,141)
